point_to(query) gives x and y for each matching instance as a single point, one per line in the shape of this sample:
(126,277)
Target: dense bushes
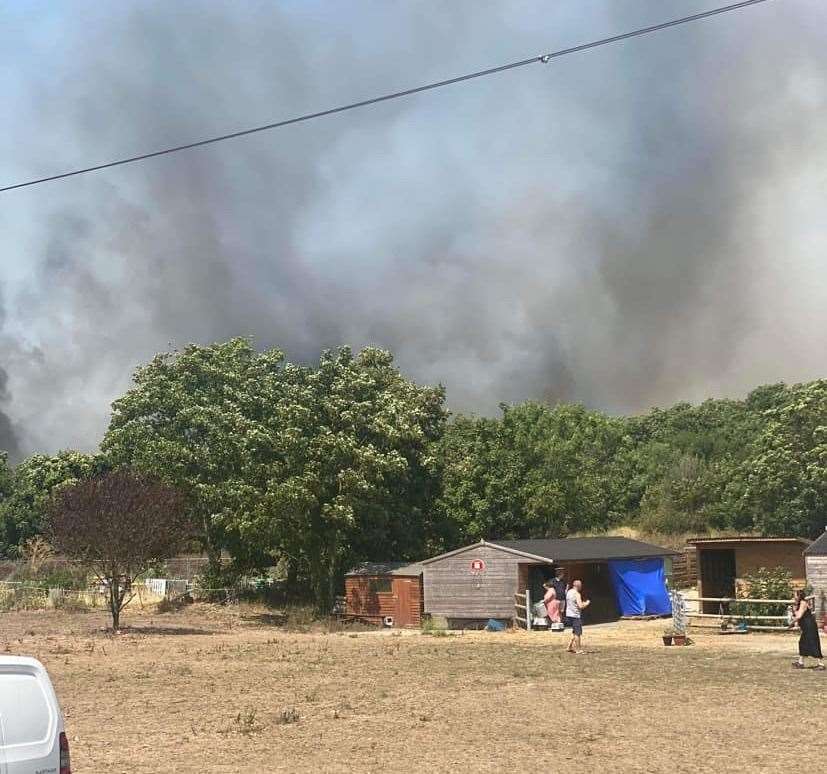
(764,583)
(754,465)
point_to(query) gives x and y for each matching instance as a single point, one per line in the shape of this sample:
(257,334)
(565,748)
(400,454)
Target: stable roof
(386,568)
(746,539)
(818,547)
(582,549)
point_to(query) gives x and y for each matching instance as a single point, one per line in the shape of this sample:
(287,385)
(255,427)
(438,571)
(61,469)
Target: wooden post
(529,613)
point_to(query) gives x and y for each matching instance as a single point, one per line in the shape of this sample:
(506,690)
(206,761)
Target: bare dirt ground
(212,689)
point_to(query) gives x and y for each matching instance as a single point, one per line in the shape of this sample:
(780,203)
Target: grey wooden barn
(815,561)
(478,582)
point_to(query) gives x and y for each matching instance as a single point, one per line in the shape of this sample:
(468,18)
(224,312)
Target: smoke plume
(627,227)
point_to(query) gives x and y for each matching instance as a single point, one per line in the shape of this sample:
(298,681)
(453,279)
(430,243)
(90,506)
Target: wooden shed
(724,562)
(385,593)
(477,582)
(815,562)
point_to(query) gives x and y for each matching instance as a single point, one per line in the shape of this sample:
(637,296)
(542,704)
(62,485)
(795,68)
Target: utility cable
(542,58)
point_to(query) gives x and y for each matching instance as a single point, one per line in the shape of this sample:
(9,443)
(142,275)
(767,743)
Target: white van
(32,736)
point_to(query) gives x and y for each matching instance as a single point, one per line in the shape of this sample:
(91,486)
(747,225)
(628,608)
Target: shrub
(72,603)
(764,583)
(435,627)
(22,598)
(75,578)
(166,605)
(287,716)
(218,584)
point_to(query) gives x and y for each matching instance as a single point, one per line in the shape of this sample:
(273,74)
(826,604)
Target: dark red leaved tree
(117,525)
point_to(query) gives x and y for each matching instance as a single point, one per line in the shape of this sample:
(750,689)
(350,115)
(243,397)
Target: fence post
(528,610)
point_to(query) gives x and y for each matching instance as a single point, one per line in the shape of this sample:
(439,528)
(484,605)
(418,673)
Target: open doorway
(538,574)
(716,571)
(598,588)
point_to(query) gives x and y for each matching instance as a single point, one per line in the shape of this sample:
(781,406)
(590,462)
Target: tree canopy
(318,466)
(786,480)
(198,420)
(116,524)
(29,487)
(536,472)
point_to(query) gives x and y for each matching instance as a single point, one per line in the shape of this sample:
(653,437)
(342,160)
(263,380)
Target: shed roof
(746,539)
(386,568)
(583,549)
(818,547)
(587,548)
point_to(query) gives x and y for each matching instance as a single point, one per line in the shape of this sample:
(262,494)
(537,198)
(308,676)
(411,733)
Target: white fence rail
(727,615)
(166,587)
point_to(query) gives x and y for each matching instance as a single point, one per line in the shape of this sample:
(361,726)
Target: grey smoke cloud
(628,227)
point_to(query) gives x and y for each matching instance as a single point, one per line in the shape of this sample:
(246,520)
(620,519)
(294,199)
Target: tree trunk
(325,576)
(331,590)
(114,602)
(213,551)
(318,583)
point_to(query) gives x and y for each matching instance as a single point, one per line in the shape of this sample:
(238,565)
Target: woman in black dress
(808,642)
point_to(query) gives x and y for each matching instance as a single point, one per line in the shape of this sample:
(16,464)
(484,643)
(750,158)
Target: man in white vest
(574,608)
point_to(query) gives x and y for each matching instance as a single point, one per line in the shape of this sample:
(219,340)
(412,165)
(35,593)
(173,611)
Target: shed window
(380,585)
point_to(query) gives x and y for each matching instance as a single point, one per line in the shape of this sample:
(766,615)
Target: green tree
(786,480)
(23,511)
(679,501)
(482,477)
(316,467)
(5,477)
(197,419)
(686,463)
(356,470)
(537,472)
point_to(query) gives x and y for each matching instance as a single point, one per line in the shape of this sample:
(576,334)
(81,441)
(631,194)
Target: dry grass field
(212,689)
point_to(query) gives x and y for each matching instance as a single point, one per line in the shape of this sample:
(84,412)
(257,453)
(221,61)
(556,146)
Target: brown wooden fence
(684,569)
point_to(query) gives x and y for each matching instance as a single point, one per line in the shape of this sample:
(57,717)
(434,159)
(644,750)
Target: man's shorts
(576,625)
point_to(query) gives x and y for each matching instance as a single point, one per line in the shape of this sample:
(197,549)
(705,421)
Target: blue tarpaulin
(640,586)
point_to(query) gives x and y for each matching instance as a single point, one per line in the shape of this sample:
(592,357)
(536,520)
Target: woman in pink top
(552,603)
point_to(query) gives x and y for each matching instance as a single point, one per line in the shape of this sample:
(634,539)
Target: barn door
(402,602)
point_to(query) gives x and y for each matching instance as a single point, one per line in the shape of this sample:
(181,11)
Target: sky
(626,227)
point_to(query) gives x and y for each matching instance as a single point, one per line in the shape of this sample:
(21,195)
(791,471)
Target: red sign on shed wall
(477,565)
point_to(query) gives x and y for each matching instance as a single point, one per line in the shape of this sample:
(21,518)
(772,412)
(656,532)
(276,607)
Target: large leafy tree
(482,478)
(355,472)
(538,471)
(23,510)
(684,468)
(315,466)
(198,420)
(786,480)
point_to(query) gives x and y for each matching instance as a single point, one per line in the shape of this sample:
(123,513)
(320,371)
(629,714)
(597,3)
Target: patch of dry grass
(212,689)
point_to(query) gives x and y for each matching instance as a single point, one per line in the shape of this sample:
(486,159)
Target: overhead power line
(542,58)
